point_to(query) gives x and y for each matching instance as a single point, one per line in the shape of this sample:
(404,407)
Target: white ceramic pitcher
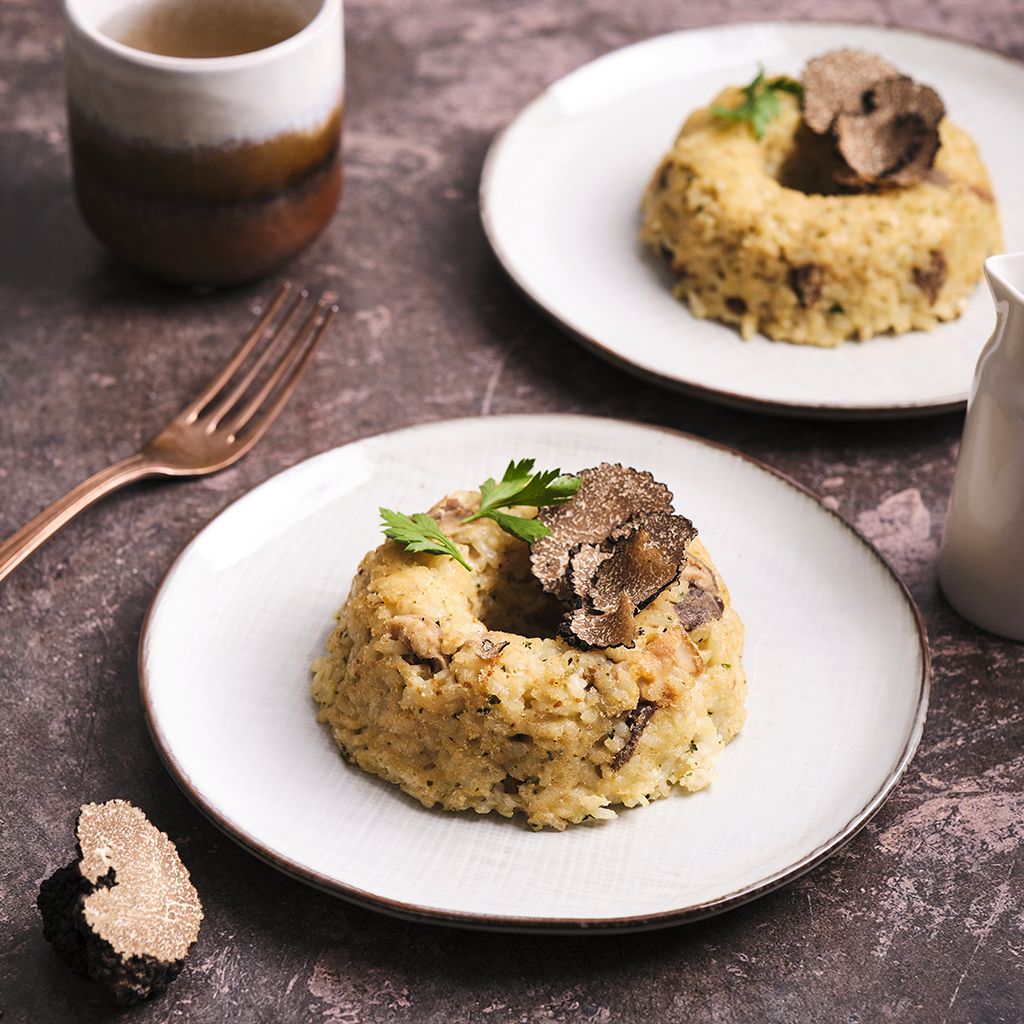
(981,565)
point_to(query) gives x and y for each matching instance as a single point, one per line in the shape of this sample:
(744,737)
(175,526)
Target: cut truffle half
(839,83)
(896,143)
(609,495)
(123,913)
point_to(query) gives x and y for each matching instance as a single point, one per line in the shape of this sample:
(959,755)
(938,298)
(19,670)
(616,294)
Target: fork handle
(42,527)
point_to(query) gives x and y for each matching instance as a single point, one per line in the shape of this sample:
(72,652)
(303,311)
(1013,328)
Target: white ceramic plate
(835,656)
(560,200)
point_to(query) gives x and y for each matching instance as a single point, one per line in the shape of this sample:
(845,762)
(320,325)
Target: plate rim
(542,925)
(719,396)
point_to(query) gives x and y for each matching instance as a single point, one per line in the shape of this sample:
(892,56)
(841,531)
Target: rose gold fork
(214,430)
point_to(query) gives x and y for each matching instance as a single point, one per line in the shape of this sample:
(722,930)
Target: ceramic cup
(205,170)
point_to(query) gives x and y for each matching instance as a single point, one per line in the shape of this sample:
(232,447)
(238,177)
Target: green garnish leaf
(420,533)
(783,83)
(521,486)
(761,102)
(525,529)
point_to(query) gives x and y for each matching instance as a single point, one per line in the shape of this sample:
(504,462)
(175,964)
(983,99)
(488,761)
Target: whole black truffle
(124,912)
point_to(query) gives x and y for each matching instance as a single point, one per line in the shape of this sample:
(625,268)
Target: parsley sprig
(519,486)
(419,533)
(761,101)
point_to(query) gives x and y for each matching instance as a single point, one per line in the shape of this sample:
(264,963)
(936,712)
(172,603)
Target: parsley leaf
(420,533)
(761,103)
(521,486)
(783,83)
(525,529)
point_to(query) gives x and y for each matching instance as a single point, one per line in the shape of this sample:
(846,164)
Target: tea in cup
(205,136)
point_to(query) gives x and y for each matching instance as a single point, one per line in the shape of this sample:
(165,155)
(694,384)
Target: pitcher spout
(1005,276)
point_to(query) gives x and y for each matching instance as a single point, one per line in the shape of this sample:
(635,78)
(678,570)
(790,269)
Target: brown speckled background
(919,919)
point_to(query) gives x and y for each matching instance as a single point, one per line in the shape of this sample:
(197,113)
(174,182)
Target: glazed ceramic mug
(205,170)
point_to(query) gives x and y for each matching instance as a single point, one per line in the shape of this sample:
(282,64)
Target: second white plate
(560,201)
(835,657)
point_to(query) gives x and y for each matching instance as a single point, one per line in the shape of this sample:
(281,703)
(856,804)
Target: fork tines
(277,350)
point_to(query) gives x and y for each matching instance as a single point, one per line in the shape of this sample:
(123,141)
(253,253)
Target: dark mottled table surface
(918,919)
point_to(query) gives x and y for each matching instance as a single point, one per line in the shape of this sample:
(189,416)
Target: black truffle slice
(609,495)
(645,557)
(896,143)
(838,83)
(124,913)
(702,603)
(698,607)
(807,282)
(931,278)
(584,565)
(611,551)
(643,563)
(638,568)
(617,628)
(636,720)
(672,533)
